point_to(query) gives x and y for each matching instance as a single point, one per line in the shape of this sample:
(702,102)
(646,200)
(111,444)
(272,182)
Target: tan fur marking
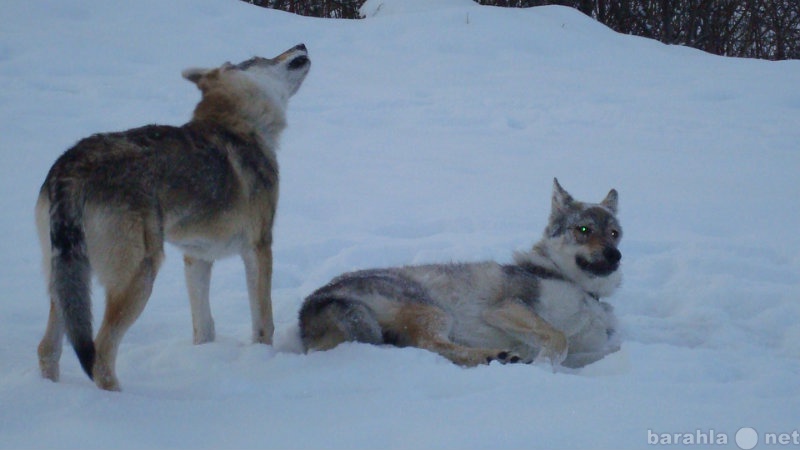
(514,317)
(123,307)
(234,103)
(427,327)
(50,347)
(258,268)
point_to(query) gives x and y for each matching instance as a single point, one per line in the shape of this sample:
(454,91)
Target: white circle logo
(746,438)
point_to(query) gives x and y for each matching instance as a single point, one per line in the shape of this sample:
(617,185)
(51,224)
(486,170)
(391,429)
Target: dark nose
(300,47)
(612,255)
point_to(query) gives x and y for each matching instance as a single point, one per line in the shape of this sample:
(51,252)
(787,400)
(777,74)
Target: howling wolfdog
(544,306)
(210,187)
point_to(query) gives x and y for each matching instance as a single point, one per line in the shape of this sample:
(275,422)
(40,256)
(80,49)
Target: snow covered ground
(428,132)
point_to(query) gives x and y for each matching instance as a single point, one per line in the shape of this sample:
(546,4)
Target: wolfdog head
(252,95)
(582,239)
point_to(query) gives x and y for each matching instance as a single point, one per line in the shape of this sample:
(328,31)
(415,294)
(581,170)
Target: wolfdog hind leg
(51,345)
(428,327)
(124,304)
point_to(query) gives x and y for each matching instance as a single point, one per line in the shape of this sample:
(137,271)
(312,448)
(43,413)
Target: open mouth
(299,62)
(597,268)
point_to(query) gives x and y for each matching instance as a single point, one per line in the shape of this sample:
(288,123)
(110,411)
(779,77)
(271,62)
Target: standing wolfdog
(544,306)
(210,187)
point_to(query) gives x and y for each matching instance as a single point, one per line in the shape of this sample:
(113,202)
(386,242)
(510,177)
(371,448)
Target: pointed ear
(561,198)
(610,201)
(195,74)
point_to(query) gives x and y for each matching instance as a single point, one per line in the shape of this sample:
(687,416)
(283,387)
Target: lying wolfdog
(544,306)
(210,187)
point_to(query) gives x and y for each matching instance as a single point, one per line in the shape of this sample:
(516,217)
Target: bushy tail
(70,275)
(327,321)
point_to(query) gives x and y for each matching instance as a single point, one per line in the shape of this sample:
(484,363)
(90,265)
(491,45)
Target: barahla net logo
(746,438)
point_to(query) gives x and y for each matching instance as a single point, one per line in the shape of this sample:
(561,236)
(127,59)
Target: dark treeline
(332,9)
(766,29)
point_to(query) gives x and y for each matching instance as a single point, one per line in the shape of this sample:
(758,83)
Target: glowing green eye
(584,230)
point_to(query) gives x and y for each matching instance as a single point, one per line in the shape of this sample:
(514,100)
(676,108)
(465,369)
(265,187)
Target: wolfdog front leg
(516,319)
(258,266)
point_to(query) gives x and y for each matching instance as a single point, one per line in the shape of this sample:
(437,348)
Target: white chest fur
(587,322)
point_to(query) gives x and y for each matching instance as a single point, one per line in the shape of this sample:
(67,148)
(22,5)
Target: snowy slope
(428,132)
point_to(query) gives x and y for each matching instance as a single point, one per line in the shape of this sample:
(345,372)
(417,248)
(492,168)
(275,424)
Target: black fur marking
(601,268)
(316,304)
(612,255)
(299,62)
(86,355)
(539,271)
(70,277)
(525,287)
(66,237)
(252,157)
(354,320)
(505,357)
